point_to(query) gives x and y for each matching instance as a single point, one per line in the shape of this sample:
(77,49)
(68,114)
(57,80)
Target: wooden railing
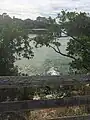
(42,81)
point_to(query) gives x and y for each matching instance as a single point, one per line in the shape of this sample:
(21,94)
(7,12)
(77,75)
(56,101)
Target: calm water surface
(35,65)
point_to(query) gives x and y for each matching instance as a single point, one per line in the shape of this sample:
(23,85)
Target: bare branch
(84,47)
(72,37)
(66,55)
(58,51)
(69,56)
(54,48)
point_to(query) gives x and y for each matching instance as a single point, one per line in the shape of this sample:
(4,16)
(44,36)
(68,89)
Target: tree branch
(69,56)
(84,47)
(54,48)
(65,54)
(59,52)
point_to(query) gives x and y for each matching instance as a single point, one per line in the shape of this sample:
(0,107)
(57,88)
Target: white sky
(33,8)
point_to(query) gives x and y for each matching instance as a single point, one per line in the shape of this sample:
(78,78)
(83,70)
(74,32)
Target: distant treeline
(40,22)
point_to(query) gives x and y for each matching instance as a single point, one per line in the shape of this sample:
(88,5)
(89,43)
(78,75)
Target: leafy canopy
(76,26)
(14,44)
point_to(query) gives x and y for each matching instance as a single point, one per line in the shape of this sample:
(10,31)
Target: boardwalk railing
(41,81)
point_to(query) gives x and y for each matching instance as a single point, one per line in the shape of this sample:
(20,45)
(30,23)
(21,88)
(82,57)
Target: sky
(33,8)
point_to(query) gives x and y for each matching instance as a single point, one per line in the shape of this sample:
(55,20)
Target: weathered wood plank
(40,81)
(78,117)
(42,104)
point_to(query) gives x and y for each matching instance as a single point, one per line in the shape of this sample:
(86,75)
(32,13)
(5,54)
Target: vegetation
(14,35)
(73,25)
(14,44)
(14,41)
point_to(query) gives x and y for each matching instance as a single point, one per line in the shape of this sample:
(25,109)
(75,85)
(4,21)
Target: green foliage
(82,55)
(14,44)
(77,27)
(51,37)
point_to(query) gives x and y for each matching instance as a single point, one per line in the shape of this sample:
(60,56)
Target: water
(36,65)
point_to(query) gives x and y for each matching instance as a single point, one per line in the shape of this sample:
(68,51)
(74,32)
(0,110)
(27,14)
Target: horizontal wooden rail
(42,104)
(78,117)
(40,81)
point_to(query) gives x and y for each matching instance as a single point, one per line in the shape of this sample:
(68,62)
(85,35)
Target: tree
(14,44)
(77,27)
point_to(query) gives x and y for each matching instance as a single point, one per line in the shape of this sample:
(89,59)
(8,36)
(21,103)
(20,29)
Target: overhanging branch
(65,54)
(54,48)
(84,47)
(59,52)
(69,56)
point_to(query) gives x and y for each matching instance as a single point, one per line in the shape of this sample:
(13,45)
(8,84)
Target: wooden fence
(41,81)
